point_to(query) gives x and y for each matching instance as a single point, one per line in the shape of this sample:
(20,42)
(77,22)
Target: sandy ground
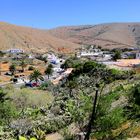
(4,78)
(55,136)
(127,62)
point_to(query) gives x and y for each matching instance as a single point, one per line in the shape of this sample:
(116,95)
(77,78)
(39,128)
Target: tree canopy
(36,75)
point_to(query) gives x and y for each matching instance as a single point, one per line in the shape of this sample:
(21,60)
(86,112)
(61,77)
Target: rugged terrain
(29,39)
(67,39)
(111,35)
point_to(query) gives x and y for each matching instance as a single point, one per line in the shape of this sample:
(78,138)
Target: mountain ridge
(108,35)
(67,39)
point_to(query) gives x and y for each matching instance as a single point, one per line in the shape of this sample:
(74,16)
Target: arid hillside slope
(111,35)
(29,39)
(67,39)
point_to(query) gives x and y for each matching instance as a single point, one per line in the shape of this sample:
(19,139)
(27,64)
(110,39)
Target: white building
(15,51)
(53,59)
(31,56)
(94,52)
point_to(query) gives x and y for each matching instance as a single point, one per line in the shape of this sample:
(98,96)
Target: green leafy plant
(31,68)
(43,86)
(36,75)
(49,70)
(117,55)
(12,69)
(22,138)
(23,64)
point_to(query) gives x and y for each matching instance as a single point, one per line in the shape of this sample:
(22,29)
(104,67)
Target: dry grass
(54,136)
(135,132)
(4,66)
(29,97)
(4,79)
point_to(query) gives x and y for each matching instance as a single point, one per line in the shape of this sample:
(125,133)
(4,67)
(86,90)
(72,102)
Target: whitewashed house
(15,51)
(89,53)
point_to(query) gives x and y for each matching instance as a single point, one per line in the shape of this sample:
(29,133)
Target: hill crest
(108,35)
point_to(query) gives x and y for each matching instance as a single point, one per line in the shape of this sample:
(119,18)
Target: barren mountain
(67,39)
(29,39)
(112,35)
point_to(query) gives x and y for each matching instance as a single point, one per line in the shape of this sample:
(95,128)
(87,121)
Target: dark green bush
(31,68)
(71,63)
(133,108)
(136,94)
(117,55)
(43,86)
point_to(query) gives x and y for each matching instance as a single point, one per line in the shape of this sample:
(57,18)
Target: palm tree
(12,69)
(36,75)
(23,65)
(49,70)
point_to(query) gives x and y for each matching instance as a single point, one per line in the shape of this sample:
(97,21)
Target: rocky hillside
(29,39)
(67,39)
(112,35)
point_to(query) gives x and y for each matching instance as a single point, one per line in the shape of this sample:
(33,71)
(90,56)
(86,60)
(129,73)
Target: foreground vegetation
(70,108)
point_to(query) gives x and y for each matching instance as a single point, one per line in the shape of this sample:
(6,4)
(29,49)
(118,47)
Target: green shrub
(40,135)
(112,120)
(7,112)
(31,68)
(117,55)
(88,66)
(52,125)
(7,109)
(120,75)
(67,135)
(133,109)
(136,94)
(108,117)
(22,138)
(33,139)
(71,63)
(43,86)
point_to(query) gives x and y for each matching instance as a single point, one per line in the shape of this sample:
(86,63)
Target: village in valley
(69,70)
(17,66)
(44,86)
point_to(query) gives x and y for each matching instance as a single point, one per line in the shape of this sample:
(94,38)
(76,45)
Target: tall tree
(49,70)
(12,69)
(23,65)
(117,55)
(36,75)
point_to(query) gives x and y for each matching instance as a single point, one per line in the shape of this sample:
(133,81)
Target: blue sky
(53,13)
